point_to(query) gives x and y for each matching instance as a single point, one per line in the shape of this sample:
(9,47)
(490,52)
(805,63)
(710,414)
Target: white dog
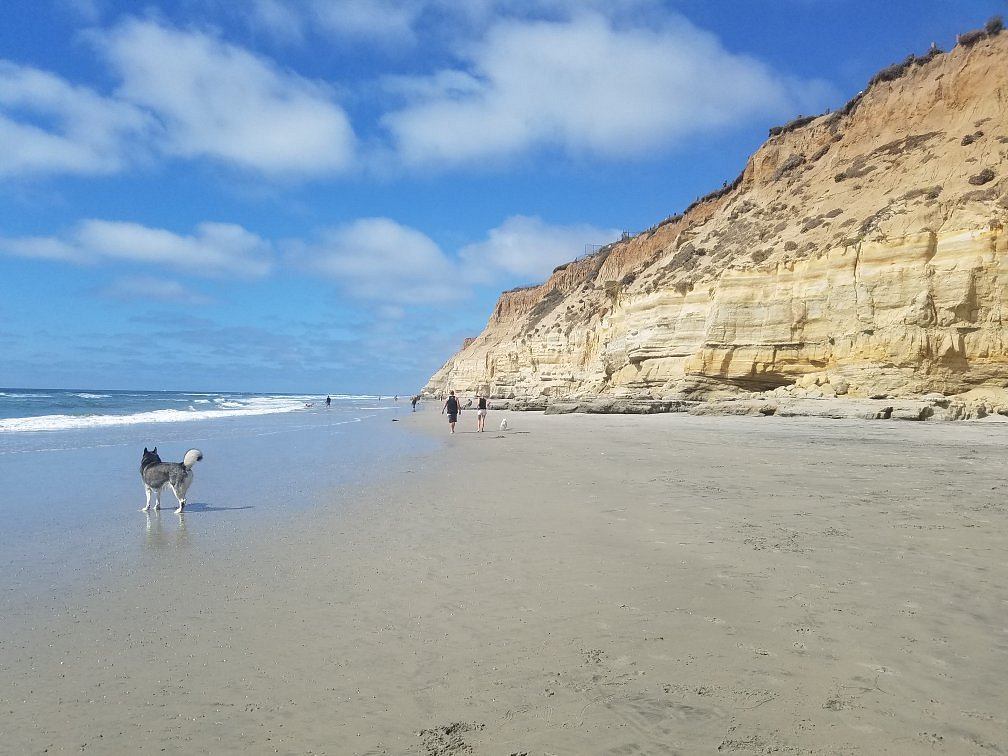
(504,424)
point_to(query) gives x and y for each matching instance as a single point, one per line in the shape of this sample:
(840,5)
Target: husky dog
(504,424)
(156,474)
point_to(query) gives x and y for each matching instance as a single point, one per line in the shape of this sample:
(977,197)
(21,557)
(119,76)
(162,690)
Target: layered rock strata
(860,254)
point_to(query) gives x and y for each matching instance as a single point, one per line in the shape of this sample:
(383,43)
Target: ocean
(59,409)
(72,495)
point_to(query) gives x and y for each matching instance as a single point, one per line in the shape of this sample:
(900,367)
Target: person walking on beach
(328,401)
(451,406)
(414,402)
(481,410)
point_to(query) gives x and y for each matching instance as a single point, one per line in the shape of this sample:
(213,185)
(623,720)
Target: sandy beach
(575,585)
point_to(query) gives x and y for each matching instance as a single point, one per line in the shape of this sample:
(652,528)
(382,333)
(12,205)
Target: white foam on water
(260,405)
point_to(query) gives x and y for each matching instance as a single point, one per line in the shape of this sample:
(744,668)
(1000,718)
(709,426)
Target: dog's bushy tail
(192,457)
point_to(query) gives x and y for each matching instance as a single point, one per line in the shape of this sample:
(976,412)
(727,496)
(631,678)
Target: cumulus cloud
(215,249)
(380,259)
(581,78)
(583,85)
(220,101)
(528,248)
(50,126)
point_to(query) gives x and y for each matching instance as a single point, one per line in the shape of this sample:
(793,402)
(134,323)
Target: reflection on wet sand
(159,534)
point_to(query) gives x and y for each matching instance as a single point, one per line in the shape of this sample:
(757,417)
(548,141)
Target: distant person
(481,410)
(414,400)
(328,401)
(452,408)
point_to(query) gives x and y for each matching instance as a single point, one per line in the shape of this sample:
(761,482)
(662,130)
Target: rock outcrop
(860,254)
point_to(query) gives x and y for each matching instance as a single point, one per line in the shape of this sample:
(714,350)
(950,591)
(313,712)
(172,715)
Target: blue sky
(328,196)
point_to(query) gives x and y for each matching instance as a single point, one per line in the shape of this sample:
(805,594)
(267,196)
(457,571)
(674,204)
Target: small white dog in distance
(504,424)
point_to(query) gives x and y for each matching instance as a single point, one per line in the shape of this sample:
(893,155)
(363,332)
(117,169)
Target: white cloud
(585,86)
(42,248)
(50,126)
(216,249)
(148,288)
(220,101)
(526,247)
(379,259)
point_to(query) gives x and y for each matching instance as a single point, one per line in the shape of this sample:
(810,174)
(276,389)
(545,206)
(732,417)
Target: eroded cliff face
(863,251)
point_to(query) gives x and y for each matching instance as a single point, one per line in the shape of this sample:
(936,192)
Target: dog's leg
(180,489)
(148,490)
(181,499)
(157,499)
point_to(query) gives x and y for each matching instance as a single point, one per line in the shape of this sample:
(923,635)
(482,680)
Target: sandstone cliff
(861,252)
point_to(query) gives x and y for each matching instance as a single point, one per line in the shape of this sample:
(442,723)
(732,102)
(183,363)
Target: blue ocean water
(60,409)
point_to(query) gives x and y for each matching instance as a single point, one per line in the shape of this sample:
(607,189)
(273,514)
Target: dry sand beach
(574,585)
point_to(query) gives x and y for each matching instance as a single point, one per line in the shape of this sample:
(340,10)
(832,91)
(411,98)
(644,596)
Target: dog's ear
(145,450)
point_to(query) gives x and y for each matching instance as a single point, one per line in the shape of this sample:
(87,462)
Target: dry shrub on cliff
(819,153)
(797,123)
(683,259)
(970,138)
(872,222)
(986,175)
(672,219)
(717,193)
(859,167)
(930,192)
(970,38)
(982,195)
(993,27)
(684,287)
(811,223)
(792,162)
(893,72)
(545,306)
(905,144)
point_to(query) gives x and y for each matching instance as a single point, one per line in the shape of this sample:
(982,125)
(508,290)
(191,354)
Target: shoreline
(577,584)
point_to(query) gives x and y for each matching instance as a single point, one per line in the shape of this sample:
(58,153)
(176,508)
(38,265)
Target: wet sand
(574,585)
